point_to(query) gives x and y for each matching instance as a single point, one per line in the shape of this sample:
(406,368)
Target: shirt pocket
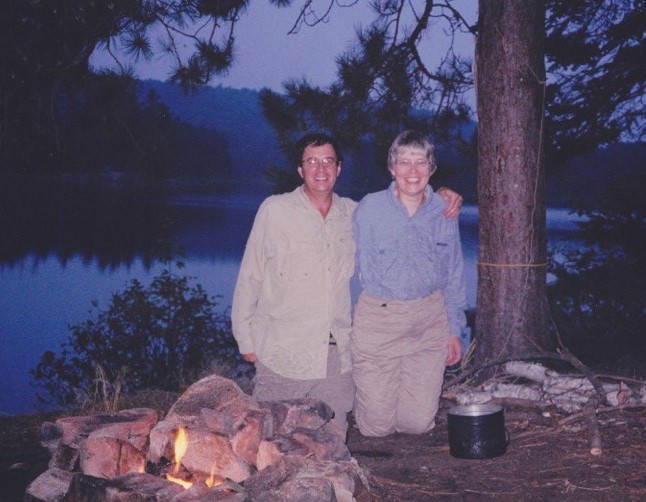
(344,253)
(386,259)
(296,260)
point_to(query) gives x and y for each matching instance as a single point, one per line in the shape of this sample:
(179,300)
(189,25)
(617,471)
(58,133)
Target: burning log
(129,487)
(103,445)
(216,443)
(106,457)
(208,454)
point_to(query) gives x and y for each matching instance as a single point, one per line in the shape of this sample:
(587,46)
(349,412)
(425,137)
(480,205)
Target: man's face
(319,169)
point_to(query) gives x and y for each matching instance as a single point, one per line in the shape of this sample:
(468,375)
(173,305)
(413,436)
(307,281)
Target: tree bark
(512,313)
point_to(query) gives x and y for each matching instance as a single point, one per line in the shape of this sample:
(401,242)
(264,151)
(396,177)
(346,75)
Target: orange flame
(181,446)
(212,480)
(179,481)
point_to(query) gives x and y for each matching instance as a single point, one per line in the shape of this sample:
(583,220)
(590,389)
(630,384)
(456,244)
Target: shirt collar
(396,202)
(335,208)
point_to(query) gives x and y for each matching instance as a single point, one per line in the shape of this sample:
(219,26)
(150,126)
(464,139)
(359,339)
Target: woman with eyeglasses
(410,311)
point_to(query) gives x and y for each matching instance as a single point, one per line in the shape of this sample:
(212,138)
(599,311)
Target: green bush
(158,337)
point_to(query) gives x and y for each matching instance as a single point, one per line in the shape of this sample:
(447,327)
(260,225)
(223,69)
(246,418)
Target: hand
(453,202)
(455,351)
(250,357)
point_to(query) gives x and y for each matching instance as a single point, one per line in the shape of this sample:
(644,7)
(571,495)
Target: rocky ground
(548,458)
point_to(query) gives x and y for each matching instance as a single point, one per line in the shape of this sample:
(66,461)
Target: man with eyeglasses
(291,312)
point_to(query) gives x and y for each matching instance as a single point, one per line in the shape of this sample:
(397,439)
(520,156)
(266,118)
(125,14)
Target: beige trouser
(399,353)
(337,390)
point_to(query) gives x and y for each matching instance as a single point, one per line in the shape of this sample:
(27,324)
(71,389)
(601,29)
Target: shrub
(156,337)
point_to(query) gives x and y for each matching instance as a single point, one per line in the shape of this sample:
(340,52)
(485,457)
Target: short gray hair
(412,140)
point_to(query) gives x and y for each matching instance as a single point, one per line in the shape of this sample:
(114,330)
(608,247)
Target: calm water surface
(47,288)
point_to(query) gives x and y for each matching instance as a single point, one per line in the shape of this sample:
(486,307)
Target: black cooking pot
(477,431)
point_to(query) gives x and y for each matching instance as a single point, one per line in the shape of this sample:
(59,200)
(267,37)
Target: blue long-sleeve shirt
(402,257)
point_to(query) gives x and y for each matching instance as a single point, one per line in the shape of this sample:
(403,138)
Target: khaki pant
(399,353)
(337,390)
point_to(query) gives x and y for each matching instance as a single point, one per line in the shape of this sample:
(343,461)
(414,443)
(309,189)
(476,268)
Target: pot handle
(507,437)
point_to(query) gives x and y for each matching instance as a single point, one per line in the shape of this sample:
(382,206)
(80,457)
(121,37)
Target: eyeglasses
(326,162)
(421,163)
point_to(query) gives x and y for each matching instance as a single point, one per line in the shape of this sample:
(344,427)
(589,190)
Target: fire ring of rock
(215,444)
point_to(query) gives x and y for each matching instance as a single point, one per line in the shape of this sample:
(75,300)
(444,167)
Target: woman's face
(411,172)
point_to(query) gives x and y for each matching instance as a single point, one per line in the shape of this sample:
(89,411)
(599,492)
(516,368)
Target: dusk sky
(266,55)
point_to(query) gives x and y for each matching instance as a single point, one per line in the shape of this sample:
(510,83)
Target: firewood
(593,429)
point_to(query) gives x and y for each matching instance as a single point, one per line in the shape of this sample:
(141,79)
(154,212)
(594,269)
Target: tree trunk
(512,313)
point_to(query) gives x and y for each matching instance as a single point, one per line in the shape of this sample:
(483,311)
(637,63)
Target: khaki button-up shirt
(293,289)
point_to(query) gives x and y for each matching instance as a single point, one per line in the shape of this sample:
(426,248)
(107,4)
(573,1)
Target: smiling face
(319,169)
(411,171)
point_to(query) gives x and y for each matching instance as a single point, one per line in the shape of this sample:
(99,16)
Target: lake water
(47,285)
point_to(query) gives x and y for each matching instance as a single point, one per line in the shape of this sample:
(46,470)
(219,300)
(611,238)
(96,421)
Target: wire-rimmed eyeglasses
(326,162)
(408,163)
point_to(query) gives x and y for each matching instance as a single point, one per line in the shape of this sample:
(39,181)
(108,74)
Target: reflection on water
(64,246)
(67,248)
(97,222)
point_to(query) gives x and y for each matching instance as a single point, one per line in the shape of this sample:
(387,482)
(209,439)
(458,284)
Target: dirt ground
(22,458)
(548,459)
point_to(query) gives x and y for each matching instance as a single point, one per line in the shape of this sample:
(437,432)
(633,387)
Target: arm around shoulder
(453,202)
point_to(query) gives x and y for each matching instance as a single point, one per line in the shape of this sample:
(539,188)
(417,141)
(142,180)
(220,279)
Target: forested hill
(234,113)
(237,115)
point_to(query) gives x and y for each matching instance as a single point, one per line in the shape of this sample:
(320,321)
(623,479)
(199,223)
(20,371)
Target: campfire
(215,443)
(181,446)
